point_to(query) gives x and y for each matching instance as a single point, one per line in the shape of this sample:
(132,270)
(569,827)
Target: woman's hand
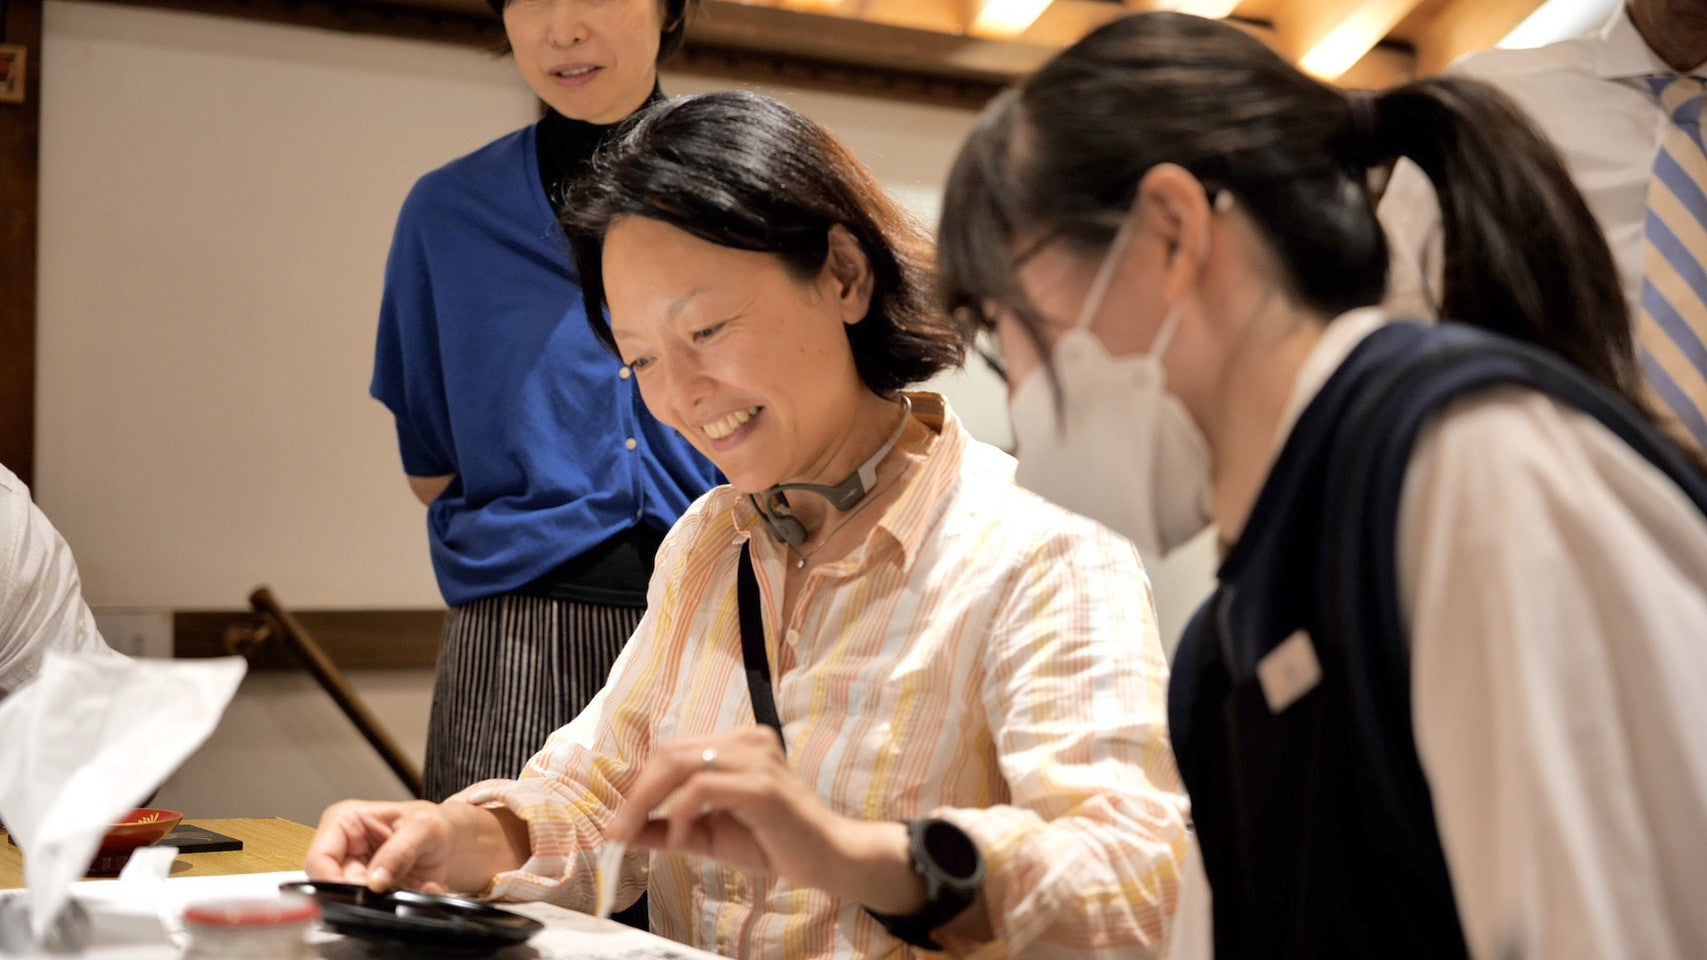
(418,845)
(732,797)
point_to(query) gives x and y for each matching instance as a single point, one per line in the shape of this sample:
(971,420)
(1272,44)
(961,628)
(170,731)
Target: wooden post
(20,152)
(277,622)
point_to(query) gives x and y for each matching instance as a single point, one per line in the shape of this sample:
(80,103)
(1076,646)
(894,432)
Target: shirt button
(625,373)
(792,637)
(631,443)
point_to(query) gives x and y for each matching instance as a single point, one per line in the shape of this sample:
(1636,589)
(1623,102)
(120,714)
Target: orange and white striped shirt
(983,656)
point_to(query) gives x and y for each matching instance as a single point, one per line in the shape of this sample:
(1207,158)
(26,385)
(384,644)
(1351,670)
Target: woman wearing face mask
(967,679)
(1450,696)
(548,484)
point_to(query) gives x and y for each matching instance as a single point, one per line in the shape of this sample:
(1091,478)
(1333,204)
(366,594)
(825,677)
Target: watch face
(950,851)
(953,870)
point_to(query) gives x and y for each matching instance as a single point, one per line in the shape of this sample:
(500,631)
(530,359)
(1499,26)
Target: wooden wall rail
(356,639)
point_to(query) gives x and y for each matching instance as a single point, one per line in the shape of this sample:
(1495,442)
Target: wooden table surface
(269,845)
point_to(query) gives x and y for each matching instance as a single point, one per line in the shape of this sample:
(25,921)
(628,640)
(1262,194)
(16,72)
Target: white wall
(282,749)
(217,199)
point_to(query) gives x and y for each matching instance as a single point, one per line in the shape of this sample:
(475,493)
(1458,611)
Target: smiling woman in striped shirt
(973,749)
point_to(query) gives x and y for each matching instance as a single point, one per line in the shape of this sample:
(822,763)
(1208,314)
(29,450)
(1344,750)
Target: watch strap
(952,868)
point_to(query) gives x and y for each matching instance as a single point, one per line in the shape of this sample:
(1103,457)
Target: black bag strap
(753,645)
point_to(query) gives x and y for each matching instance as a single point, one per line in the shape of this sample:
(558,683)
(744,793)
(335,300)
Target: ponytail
(1524,257)
(1067,149)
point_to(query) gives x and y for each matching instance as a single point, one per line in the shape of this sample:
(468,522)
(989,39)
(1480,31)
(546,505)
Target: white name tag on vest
(1289,671)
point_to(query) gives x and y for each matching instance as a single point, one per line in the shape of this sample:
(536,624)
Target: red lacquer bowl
(141,827)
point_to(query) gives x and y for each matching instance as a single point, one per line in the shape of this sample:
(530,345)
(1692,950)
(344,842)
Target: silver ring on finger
(708,758)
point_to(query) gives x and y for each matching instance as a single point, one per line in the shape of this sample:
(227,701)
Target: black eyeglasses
(981,337)
(983,325)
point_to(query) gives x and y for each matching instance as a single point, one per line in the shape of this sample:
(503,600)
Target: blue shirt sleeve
(407,369)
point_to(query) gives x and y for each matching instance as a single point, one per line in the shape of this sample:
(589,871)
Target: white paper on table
(136,920)
(568,935)
(88,739)
(606,875)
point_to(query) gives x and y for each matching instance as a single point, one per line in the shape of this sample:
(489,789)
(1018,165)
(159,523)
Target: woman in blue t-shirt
(548,484)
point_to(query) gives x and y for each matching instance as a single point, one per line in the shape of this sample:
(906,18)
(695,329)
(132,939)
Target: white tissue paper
(86,741)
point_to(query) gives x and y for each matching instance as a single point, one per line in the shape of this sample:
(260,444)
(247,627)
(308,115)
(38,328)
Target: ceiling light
(1213,9)
(1560,20)
(1353,36)
(1005,19)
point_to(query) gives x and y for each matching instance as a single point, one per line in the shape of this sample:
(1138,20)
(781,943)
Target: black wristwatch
(953,870)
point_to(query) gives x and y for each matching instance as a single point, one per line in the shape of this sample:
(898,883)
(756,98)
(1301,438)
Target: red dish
(140,828)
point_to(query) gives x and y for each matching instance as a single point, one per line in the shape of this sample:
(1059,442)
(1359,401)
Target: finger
(681,820)
(669,768)
(380,826)
(324,861)
(397,857)
(654,835)
(708,793)
(338,838)
(349,833)
(766,739)
(703,837)
(717,836)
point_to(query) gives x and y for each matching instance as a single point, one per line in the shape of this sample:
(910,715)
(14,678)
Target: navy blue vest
(1315,823)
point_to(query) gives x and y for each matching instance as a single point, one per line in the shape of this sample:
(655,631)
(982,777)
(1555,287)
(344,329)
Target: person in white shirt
(1170,231)
(41,595)
(1591,98)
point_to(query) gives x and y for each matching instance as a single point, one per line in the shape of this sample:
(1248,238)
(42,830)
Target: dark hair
(1065,151)
(748,172)
(677,13)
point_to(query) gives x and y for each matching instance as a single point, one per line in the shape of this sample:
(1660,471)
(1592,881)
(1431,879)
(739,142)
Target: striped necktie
(1672,326)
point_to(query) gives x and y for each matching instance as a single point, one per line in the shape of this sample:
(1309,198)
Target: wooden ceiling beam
(1464,26)
(1066,21)
(466,22)
(836,38)
(899,50)
(1058,20)
(1383,67)
(941,16)
(759,26)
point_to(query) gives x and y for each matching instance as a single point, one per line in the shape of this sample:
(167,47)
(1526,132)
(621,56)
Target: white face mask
(1125,452)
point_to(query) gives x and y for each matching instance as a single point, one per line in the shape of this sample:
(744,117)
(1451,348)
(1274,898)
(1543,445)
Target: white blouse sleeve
(41,595)
(1556,589)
